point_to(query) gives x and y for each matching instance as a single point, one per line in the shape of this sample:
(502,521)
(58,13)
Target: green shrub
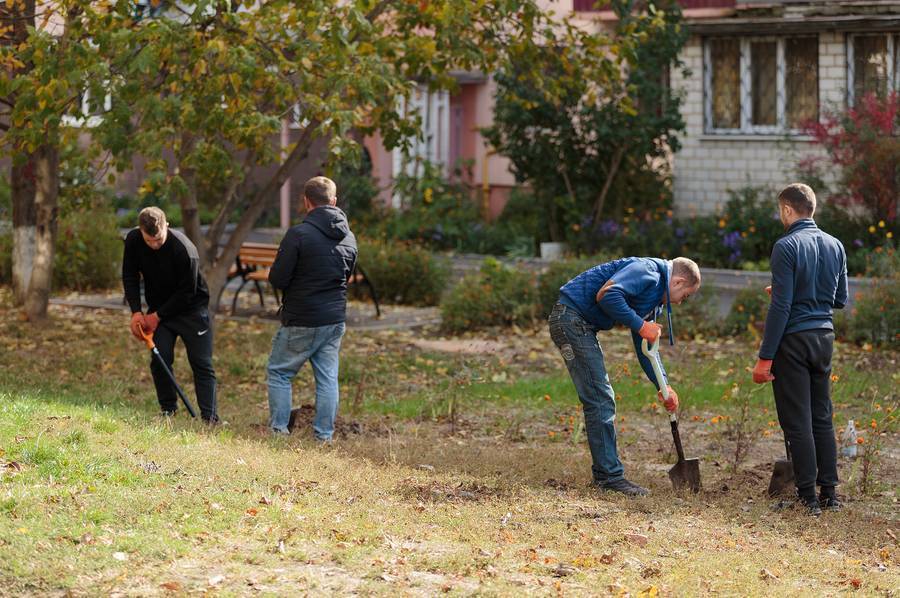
(697,316)
(558,274)
(5,256)
(88,251)
(876,314)
(875,317)
(496,296)
(402,273)
(748,312)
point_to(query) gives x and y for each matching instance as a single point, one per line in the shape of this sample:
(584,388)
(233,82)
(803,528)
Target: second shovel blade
(782,478)
(686,474)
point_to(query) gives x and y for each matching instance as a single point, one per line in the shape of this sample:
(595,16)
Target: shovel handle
(652,353)
(148,338)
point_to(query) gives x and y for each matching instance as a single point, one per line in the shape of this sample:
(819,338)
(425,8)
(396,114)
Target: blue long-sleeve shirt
(809,280)
(637,291)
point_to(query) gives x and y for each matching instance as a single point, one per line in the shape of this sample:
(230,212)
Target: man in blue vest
(809,280)
(631,291)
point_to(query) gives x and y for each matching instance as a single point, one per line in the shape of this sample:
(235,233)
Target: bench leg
(372,291)
(236,293)
(259,291)
(275,293)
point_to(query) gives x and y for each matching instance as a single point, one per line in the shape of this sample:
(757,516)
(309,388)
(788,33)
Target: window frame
(892,50)
(746,92)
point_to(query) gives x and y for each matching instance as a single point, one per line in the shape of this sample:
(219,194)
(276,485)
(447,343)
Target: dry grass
(105,499)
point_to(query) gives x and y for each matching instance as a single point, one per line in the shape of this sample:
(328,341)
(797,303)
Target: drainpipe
(486,186)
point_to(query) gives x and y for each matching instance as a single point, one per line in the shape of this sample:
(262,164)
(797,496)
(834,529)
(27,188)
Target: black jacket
(314,263)
(173,284)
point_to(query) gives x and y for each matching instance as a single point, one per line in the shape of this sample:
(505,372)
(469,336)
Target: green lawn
(456,472)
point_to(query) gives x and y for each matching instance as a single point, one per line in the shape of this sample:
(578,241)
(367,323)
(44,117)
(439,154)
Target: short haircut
(800,197)
(687,269)
(152,220)
(320,191)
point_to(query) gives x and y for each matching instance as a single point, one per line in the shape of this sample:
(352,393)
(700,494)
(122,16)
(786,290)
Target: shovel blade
(686,474)
(782,478)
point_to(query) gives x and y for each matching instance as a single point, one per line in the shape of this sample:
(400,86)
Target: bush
(558,274)
(88,252)
(875,317)
(403,274)
(876,314)
(697,316)
(748,312)
(496,296)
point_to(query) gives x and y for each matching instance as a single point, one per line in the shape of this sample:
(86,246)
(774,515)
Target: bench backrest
(257,254)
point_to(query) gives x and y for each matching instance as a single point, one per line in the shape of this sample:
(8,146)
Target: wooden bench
(253,262)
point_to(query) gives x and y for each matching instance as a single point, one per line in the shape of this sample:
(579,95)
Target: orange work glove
(137,321)
(769,290)
(650,331)
(151,321)
(762,373)
(671,402)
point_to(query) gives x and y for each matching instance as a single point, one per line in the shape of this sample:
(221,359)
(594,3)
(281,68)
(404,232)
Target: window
(89,112)
(872,65)
(760,85)
(433,145)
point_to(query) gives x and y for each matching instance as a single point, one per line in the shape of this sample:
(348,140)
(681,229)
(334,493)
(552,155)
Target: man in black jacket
(177,302)
(313,266)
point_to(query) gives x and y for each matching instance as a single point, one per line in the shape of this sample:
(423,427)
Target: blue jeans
(291,348)
(577,342)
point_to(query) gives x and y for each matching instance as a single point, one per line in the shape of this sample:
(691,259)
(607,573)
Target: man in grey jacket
(809,280)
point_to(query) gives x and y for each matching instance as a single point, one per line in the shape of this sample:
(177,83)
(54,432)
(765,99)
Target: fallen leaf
(172,586)
(252,512)
(639,539)
(767,575)
(264,501)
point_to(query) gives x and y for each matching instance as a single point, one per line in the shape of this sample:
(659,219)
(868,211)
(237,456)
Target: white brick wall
(708,166)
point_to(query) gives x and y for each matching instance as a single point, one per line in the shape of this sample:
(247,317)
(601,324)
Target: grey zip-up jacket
(809,281)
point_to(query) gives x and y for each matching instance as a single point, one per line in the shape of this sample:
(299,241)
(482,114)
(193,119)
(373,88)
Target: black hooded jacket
(314,263)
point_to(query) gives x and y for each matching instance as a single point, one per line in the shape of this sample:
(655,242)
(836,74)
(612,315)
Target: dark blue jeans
(577,342)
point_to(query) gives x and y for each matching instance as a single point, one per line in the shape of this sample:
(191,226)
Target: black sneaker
(811,507)
(623,486)
(830,503)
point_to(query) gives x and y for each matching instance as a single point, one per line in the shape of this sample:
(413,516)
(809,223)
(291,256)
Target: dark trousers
(197,335)
(802,386)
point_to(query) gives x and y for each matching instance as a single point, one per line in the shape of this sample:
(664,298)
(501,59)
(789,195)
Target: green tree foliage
(202,90)
(587,118)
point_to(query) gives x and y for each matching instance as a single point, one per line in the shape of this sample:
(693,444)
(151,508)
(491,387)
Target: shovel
(782,474)
(148,340)
(686,472)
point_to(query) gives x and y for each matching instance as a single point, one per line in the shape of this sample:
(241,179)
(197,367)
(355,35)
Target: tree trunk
(24,219)
(610,176)
(216,272)
(190,213)
(46,161)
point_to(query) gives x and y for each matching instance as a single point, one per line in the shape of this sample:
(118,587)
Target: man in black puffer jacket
(314,264)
